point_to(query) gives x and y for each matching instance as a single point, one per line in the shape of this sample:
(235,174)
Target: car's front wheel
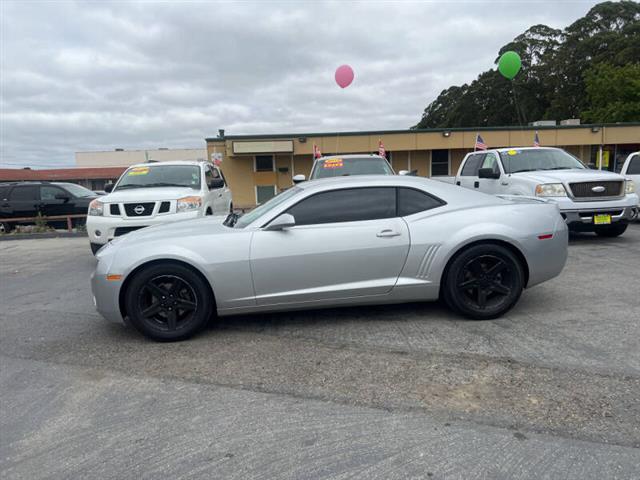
(483,282)
(614,230)
(168,302)
(5,227)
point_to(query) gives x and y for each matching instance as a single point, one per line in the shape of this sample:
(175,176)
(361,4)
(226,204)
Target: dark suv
(27,199)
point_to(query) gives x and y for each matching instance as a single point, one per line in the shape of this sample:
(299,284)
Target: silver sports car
(343,241)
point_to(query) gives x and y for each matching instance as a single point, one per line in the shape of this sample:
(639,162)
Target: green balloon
(509,64)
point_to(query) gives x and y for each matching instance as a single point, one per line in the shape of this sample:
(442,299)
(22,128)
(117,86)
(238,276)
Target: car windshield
(515,160)
(160,176)
(339,166)
(78,190)
(257,212)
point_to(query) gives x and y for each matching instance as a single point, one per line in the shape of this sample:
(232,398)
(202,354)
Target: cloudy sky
(96,75)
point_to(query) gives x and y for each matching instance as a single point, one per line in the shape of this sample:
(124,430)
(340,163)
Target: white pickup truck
(589,200)
(631,169)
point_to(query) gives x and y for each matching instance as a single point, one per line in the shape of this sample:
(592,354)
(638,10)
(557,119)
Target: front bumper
(102,229)
(106,293)
(581,213)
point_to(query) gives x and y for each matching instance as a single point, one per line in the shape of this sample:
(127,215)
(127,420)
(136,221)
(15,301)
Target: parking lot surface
(552,390)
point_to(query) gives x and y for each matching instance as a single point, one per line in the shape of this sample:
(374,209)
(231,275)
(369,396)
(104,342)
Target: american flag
(381,151)
(536,140)
(316,151)
(480,145)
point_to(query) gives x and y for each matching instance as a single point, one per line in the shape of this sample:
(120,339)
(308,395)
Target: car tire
(611,231)
(5,227)
(168,302)
(95,247)
(483,282)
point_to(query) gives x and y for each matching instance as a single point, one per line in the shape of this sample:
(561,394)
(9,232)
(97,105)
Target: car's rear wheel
(614,230)
(168,302)
(483,282)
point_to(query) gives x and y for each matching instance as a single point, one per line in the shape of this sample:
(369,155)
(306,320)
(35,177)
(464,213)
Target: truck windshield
(338,166)
(515,160)
(160,176)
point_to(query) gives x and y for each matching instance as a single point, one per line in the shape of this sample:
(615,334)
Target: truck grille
(118,232)
(586,189)
(139,209)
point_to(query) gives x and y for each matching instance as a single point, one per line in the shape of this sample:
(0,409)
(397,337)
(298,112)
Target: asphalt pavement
(552,390)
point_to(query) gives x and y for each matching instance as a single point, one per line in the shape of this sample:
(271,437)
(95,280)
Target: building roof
(418,130)
(59,174)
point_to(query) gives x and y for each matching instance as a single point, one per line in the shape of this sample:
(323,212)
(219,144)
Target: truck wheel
(168,302)
(611,231)
(483,282)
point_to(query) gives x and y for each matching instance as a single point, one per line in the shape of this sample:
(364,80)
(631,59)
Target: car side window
(490,161)
(472,165)
(49,193)
(4,193)
(222,176)
(208,176)
(412,201)
(215,172)
(347,205)
(25,193)
(634,165)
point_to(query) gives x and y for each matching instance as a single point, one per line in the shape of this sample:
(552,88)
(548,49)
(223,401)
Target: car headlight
(96,207)
(629,187)
(187,204)
(550,190)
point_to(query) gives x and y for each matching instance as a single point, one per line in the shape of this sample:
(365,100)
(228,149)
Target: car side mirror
(62,196)
(216,183)
(285,220)
(108,187)
(299,178)
(488,173)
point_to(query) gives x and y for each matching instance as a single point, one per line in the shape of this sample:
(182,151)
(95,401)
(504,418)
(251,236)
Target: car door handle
(476,184)
(388,233)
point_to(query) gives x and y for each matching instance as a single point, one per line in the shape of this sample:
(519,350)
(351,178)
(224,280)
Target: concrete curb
(32,236)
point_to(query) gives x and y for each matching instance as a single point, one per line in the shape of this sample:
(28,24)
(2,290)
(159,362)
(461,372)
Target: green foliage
(613,93)
(557,79)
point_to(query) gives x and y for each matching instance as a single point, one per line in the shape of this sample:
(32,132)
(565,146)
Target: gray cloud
(99,75)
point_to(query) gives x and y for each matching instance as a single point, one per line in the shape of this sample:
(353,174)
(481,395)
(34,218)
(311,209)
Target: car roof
(506,149)
(351,155)
(171,162)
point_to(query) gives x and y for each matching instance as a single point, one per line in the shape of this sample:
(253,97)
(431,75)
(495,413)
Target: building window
(264,163)
(439,162)
(264,193)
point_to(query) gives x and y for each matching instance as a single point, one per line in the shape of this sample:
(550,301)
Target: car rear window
(25,193)
(339,166)
(4,192)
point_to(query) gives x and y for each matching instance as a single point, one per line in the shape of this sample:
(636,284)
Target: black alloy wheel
(484,282)
(168,302)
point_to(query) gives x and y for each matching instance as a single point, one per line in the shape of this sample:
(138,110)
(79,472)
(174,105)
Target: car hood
(569,176)
(148,194)
(175,230)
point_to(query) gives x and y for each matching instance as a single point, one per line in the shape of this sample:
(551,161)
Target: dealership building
(259,166)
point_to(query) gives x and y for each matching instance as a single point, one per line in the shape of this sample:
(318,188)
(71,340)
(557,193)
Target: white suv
(153,193)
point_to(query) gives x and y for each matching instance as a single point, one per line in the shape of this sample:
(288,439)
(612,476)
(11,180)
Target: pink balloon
(344,76)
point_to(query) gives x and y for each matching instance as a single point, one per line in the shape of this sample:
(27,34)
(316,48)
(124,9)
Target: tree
(552,82)
(613,93)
